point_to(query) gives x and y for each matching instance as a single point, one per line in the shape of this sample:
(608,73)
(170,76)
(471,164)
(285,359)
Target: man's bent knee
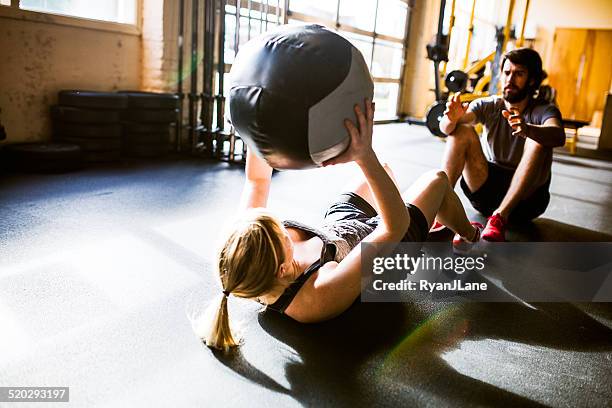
(464,132)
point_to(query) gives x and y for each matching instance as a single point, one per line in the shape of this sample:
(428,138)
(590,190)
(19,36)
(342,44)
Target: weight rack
(207,132)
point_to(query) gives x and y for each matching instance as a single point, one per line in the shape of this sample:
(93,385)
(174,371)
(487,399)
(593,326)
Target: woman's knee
(437,178)
(428,192)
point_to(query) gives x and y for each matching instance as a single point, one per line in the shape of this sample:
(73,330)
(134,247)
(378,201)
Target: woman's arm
(257,182)
(333,290)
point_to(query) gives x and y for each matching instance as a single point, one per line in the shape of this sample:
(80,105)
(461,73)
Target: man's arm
(456,113)
(447,127)
(549,134)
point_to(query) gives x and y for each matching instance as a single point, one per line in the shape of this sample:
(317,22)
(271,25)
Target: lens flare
(442,331)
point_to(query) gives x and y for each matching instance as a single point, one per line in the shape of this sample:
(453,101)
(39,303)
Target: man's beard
(515,95)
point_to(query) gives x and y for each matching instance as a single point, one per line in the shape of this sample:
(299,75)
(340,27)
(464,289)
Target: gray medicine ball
(291,90)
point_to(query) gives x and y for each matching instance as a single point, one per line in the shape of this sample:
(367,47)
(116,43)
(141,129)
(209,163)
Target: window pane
(362,43)
(325,9)
(252,27)
(385,97)
(387,60)
(358,13)
(120,11)
(247,31)
(5,2)
(391,19)
(230,37)
(294,22)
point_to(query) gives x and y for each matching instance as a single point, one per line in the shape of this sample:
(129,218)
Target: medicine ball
(291,90)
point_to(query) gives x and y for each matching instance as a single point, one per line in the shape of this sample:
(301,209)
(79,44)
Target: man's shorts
(351,206)
(490,195)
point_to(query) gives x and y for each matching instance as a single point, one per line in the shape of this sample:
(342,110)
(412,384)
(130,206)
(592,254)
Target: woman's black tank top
(328,253)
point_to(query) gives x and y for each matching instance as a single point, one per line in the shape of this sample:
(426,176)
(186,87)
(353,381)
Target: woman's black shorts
(351,206)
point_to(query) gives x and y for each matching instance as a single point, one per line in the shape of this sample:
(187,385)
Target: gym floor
(100,269)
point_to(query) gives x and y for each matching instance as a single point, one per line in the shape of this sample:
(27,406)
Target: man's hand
(516,121)
(361,138)
(455,109)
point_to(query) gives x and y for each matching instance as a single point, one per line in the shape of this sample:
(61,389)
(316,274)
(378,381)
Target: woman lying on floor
(313,274)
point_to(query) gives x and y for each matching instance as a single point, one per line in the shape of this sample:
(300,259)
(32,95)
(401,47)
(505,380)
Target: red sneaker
(463,246)
(437,226)
(495,229)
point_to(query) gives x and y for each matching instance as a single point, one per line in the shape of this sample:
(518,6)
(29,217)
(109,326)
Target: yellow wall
(547,15)
(543,18)
(418,70)
(37,59)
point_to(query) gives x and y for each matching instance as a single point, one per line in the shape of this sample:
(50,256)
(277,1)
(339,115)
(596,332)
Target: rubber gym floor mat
(101,269)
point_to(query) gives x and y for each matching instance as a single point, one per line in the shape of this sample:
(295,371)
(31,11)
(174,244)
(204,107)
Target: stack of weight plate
(91,120)
(41,157)
(147,123)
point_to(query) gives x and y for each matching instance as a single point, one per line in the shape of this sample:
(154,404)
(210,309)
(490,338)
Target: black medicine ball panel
(276,79)
(305,62)
(257,114)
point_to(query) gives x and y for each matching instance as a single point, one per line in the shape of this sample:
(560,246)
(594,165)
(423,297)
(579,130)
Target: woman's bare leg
(361,187)
(432,194)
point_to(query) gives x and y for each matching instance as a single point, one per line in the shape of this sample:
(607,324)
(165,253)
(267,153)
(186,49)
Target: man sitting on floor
(507,176)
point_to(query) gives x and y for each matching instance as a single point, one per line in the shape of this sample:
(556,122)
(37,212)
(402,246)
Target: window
(375,27)
(319,9)
(362,43)
(5,2)
(391,18)
(487,14)
(118,11)
(358,13)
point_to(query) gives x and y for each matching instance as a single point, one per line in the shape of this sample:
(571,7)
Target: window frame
(15,12)
(336,25)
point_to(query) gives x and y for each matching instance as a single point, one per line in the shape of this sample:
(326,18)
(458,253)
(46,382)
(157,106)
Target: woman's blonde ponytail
(247,265)
(214,326)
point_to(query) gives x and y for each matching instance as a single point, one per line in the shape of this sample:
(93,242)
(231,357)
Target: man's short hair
(531,60)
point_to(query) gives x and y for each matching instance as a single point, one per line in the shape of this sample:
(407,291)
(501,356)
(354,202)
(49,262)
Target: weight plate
(433,116)
(456,81)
